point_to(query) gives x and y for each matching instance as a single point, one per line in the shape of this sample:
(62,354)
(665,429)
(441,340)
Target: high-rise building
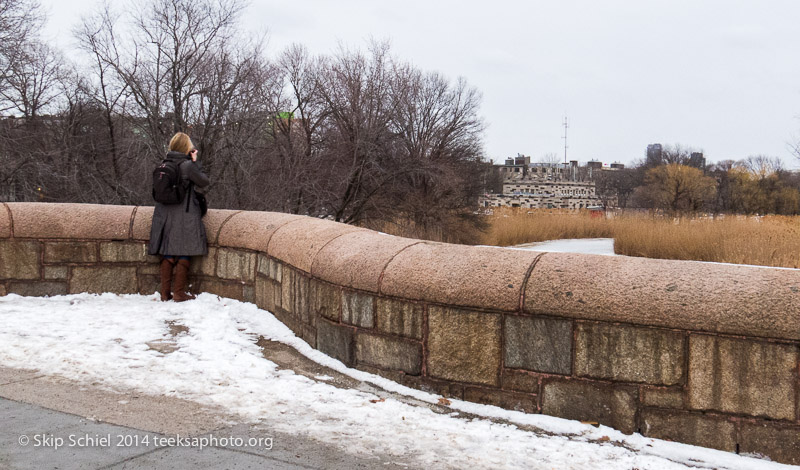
(654,155)
(697,160)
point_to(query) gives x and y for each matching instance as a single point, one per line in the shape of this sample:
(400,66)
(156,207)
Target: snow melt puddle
(213,360)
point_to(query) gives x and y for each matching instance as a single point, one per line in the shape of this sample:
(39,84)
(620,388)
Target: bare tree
(676,154)
(29,75)
(439,131)
(298,134)
(159,57)
(356,89)
(678,189)
(759,184)
(96,37)
(31,80)
(551,158)
(20,22)
(614,188)
(761,166)
(368,138)
(183,65)
(356,136)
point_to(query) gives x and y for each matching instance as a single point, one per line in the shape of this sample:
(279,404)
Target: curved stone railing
(695,352)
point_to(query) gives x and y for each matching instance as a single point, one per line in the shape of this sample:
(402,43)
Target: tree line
(357,136)
(675,184)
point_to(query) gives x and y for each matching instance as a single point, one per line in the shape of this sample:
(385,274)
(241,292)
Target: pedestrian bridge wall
(701,353)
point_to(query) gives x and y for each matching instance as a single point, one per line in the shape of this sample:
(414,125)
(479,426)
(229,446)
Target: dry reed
(766,241)
(509,227)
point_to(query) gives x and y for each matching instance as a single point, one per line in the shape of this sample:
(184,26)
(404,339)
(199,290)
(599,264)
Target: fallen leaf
(604,439)
(444,401)
(377,401)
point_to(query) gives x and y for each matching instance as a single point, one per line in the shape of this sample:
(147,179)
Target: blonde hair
(181,142)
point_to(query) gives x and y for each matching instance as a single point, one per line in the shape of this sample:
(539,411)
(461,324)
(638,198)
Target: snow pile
(103,339)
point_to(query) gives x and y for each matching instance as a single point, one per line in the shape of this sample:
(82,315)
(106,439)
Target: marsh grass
(766,241)
(509,227)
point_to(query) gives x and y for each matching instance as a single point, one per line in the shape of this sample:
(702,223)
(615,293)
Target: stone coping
(727,299)
(687,295)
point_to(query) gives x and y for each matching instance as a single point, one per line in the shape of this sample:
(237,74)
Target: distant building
(548,185)
(654,155)
(697,160)
(516,167)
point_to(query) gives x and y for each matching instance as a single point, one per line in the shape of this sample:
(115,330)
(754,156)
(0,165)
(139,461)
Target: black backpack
(167,185)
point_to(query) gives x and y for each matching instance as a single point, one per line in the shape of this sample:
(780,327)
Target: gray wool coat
(176,232)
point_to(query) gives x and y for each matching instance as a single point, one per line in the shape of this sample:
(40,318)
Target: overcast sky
(721,76)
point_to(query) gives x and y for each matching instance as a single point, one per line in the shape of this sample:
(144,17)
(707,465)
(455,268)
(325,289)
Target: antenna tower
(566,126)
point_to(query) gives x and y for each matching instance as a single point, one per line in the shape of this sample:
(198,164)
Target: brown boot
(182,281)
(166,279)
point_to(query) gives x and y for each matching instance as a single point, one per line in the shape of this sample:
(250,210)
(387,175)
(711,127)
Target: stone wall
(700,353)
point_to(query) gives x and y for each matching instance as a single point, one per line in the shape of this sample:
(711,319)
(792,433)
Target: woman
(177,231)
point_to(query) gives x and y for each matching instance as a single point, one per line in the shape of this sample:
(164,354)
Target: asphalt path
(51,423)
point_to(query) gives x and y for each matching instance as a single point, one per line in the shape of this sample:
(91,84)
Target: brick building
(547,185)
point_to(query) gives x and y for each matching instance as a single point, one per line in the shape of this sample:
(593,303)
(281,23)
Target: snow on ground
(602,246)
(592,246)
(101,339)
